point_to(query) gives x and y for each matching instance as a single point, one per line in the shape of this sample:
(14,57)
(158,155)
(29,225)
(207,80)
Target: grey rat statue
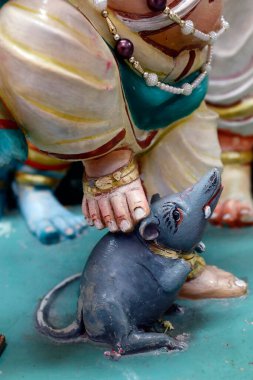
(130,281)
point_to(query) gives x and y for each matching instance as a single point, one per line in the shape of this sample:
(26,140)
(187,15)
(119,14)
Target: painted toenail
(240,283)
(227,217)
(139,213)
(98,225)
(69,231)
(112,226)
(125,226)
(245,212)
(49,229)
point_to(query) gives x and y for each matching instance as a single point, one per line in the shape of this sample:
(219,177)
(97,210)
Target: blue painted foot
(46,217)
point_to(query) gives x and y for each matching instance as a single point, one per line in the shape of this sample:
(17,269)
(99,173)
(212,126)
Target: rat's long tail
(75,332)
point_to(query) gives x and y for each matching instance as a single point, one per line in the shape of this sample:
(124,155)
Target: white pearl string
(187,28)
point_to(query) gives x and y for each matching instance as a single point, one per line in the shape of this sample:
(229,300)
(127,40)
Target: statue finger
(121,212)
(95,213)
(107,213)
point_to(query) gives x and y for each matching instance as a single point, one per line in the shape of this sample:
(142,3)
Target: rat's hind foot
(46,217)
(114,354)
(214,283)
(141,341)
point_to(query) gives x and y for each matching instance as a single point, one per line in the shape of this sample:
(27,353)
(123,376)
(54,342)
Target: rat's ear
(149,229)
(155,197)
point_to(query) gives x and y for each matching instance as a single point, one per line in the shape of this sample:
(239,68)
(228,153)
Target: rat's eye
(177,216)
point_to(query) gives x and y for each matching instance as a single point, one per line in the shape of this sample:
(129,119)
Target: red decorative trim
(145,143)
(33,147)
(192,56)
(224,106)
(8,124)
(37,165)
(97,152)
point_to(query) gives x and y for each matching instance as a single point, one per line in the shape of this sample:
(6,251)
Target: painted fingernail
(139,213)
(125,226)
(98,225)
(112,226)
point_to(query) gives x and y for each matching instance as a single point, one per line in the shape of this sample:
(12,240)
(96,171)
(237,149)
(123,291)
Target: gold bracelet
(239,158)
(35,180)
(121,177)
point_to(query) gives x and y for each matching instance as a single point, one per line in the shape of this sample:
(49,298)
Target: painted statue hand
(118,210)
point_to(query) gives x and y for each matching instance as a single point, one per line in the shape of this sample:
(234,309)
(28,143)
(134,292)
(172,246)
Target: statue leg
(235,208)
(126,338)
(191,149)
(34,187)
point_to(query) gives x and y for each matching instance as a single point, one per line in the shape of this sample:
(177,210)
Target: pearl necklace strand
(125,49)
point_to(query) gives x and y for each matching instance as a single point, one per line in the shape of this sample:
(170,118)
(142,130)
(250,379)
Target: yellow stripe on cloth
(242,110)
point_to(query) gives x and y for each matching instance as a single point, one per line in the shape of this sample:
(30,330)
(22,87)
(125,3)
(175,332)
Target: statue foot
(233,213)
(47,219)
(214,283)
(113,192)
(2,343)
(235,208)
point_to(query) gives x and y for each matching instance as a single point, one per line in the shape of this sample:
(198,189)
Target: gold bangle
(239,158)
(121,177)
(35,180)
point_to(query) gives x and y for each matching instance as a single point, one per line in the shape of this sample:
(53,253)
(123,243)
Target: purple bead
(157,5)
(125,48)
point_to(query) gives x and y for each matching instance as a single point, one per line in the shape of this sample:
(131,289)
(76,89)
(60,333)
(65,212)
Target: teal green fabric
(13,147)
(152,108)
(221,331)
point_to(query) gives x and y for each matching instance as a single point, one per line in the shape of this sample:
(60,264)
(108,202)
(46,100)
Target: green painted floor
(221,332)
